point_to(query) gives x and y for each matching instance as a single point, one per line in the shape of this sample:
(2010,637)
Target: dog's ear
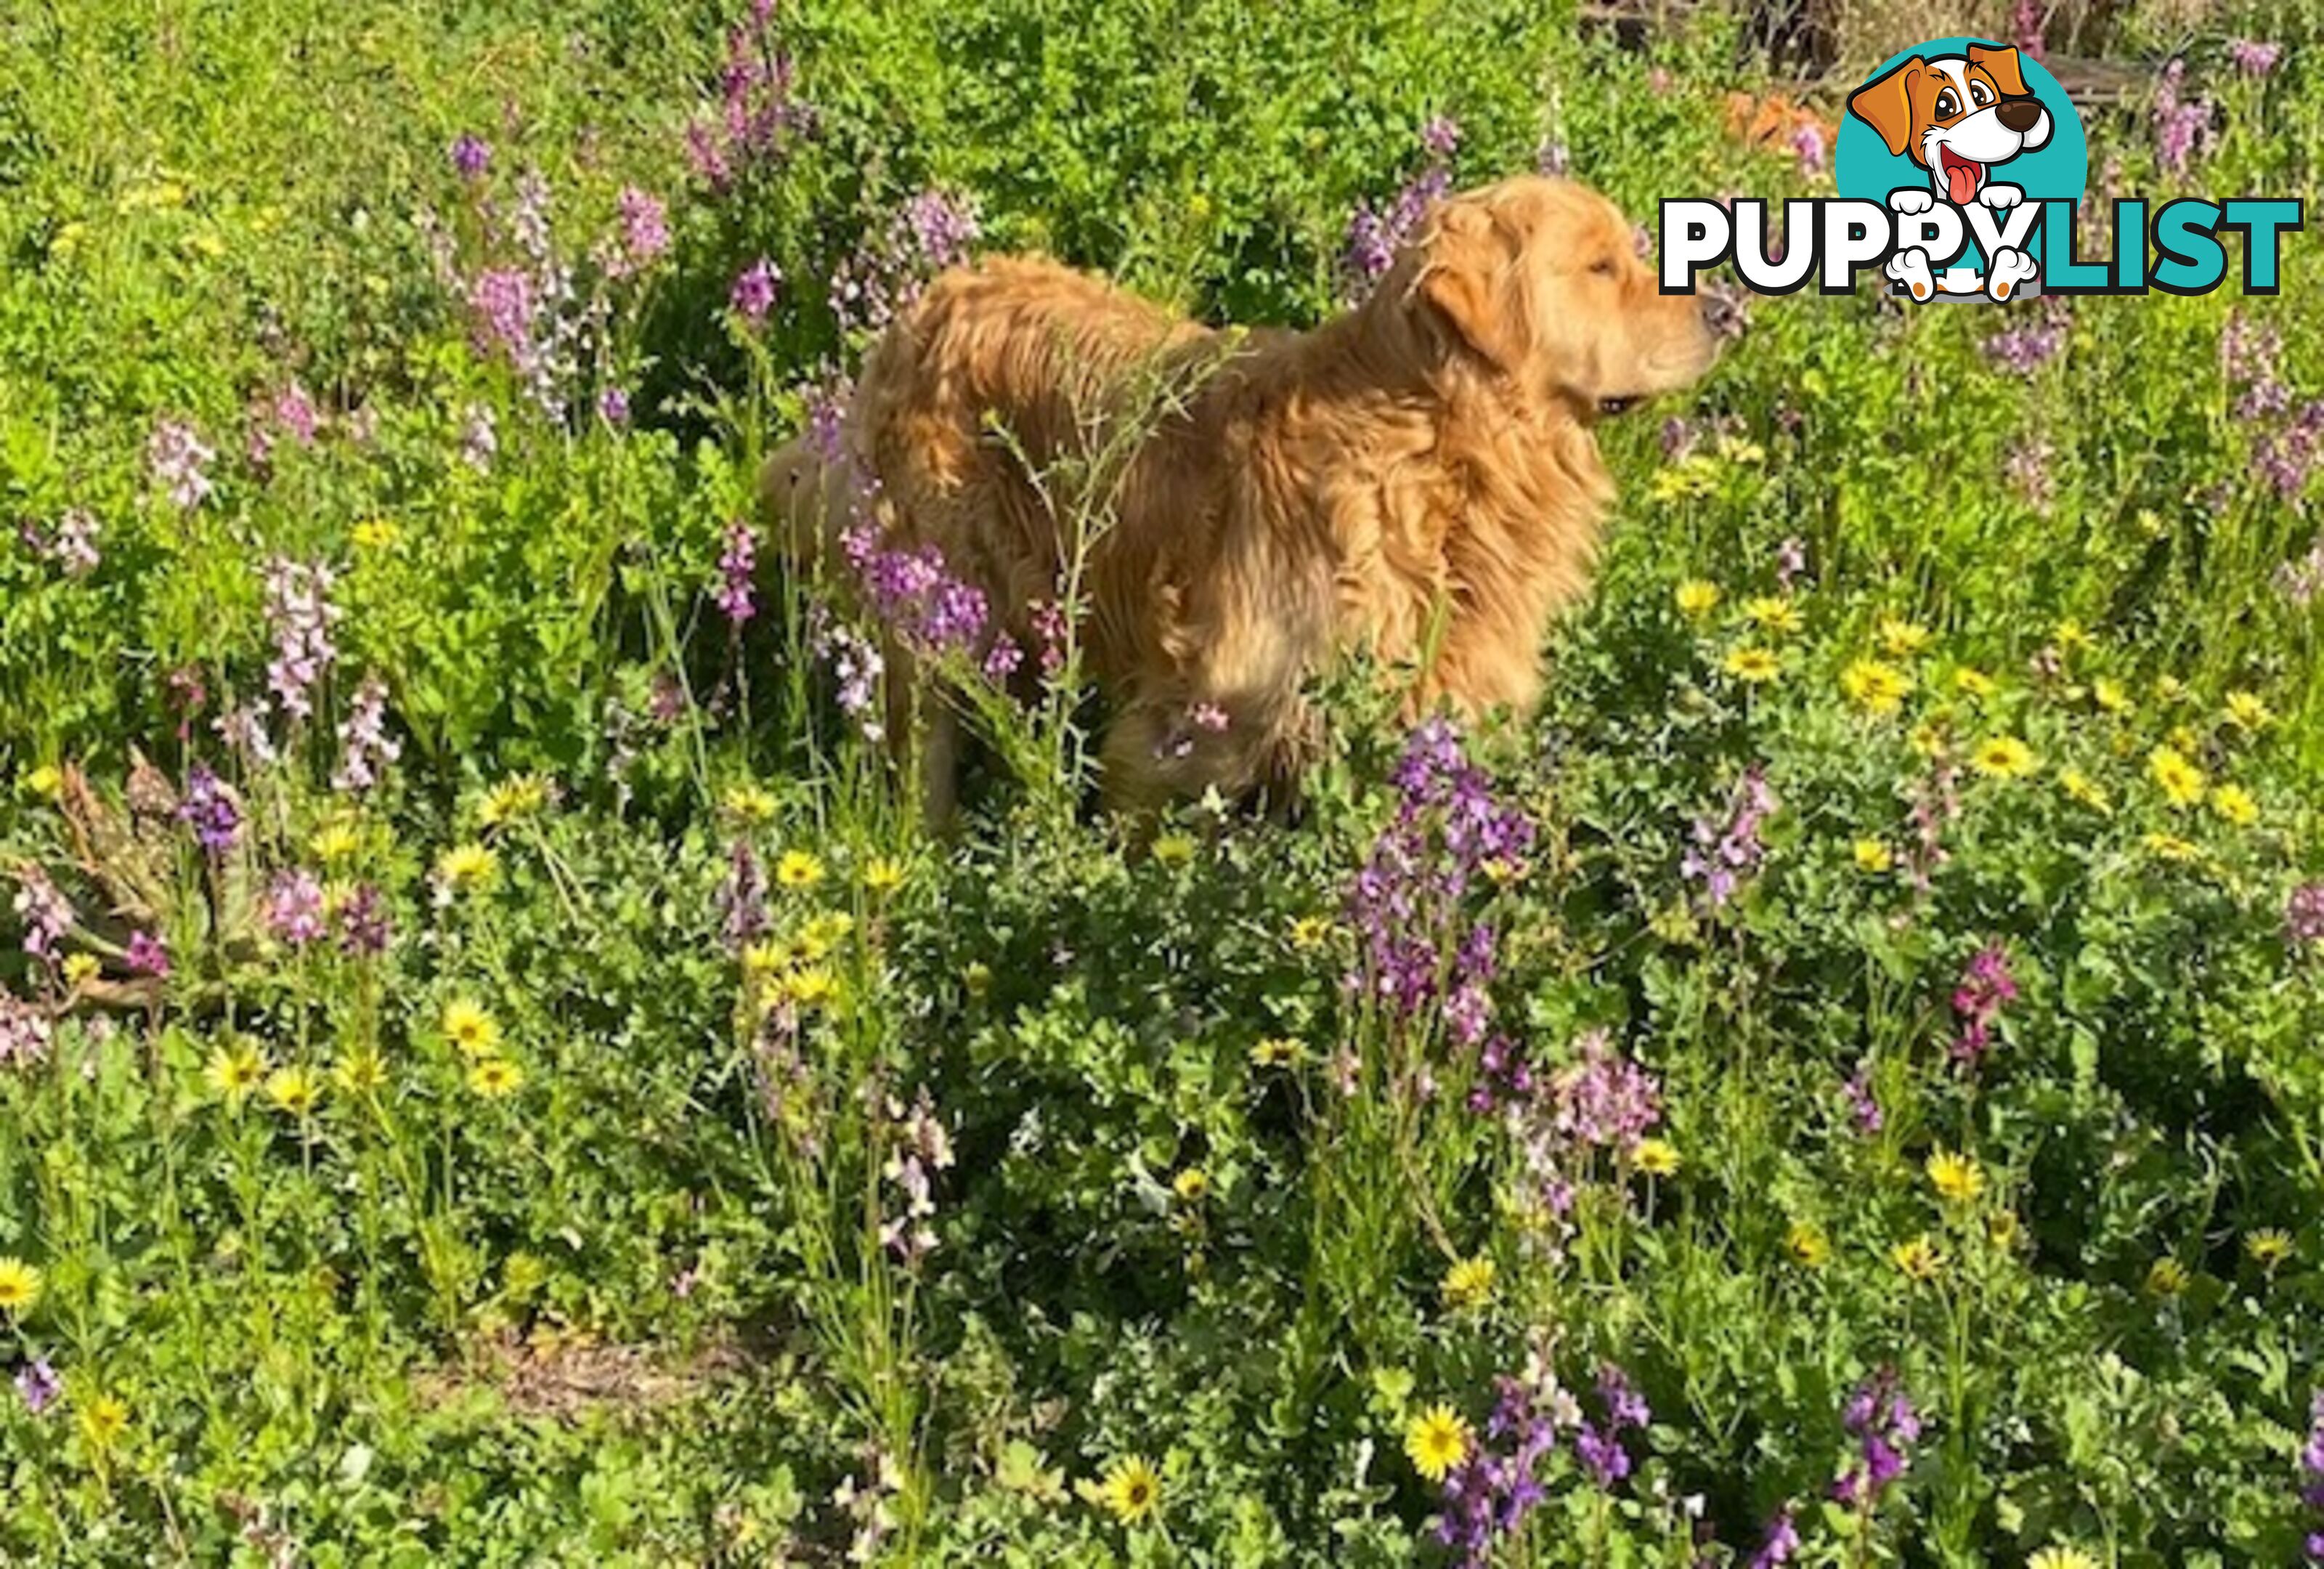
(1886,104)
(1465,258)
(2003,63)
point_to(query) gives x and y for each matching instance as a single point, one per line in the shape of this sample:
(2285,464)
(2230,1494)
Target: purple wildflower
(737,567)
(471,155)
(1863,1106)
(916,595)
(500,301)
(857,664)
(757,113)
(2025,19)
(753,294)
(295,412)
(176,457)
(2178,126)
(741,898)
(25,1032)
(366,748)
(294,907)
(1986,988)
(1487,1495)
(46,916)
(1375,235)
(1807,146)
(362,921)
(38,1385)
(930,231)
(1440,136)
(1553,159)
(1880,1417)
(479,437)
(73,546)
(299,612)
(1780,1542)
(147,954)
(1725,853)
(209,810)
(1791,561)
(2252,58)
(645,230)
(614,406)
(2303,914)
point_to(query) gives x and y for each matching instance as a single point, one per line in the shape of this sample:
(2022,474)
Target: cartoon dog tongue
(1961,177)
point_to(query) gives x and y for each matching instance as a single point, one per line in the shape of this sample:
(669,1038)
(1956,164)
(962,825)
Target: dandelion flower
(1131,1492)
(1191,1185)
(1173,849)
(2172,847)
(1437,1441)
(1956,1177)
(467,867)
(233,1071)
(1468,1283)
(1310,932)
(2166,1276)
(2180,781)
(2107,694)
(2058,1555)
(512,799)
(809,987)
(1753,664)
(2268,1248)
(1807,1245)
(2079,787)
(337,841)
(1900,639)
(1872,857)
(495,1077)
(1875,688)
(468,1027)
(376,534)
(20,1287)
(46,781)
(1973,683)
(2246,712)
(750,803)
(103,1421)
(1696,598)
(1918,1258)
(1774,615)
(1275,1051)
(2001,1228)
(1657,1158)
(2235,804)
(359,1072)
(80,969)
(2003,757)
(2072,636)
(799,869)
(883,874)
(295,1090)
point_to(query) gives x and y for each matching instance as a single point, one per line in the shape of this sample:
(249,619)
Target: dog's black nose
(2020,115)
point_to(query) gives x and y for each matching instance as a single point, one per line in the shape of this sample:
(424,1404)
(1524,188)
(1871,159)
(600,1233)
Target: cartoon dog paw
(1911,268)
(1911,199)
(2010,268)
(2001,195)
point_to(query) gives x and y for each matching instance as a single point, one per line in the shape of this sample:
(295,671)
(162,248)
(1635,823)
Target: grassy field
(491,1071)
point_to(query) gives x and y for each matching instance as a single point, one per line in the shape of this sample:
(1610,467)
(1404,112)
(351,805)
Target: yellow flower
(46,781)
(2082,788)
(2268,1248)
(2246,712)
(750,803)
(1693,475)
(1872,857)
(2172,847)
(336,841)
(2107,694)
(1956,1177)
(376,534)
(2003,757)
(2167,1276)
(2001,1228)
(80,969)
(1468,1283)
(976,976)
(2071,635)
(1875,688)
(20,1287)
(1191,1185)
(1132,1491)
(1310,932)
(1753,664)
(103,1421)
(797,869)
(2058,1555)
(1808,1246)
(1901,639)
(2181,780)
(1918,1258)
(883,874)
(233,1071)
(2169,688)
(295,1090)
(468,1027)
(494,1077)
(1973,683)
(1173,849)
(1275,1051)
(359,1072)
(1928,739)
(518,797)
(468,866)
(1657,1158)
(1735,450)
(1437,1441)
(809,988)
(1696,598)
(1774,615)
(2235,803)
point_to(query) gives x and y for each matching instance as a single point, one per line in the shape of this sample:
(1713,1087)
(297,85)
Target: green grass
(640,1270)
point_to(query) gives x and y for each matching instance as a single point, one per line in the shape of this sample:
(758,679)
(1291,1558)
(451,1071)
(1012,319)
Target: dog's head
(1540,280)
(1956,115)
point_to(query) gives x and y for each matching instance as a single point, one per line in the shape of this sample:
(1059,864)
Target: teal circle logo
(1967,123)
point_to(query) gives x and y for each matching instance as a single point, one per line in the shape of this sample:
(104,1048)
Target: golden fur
(1419,474)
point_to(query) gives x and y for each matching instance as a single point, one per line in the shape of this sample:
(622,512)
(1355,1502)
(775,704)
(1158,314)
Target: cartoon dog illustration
(1957,116)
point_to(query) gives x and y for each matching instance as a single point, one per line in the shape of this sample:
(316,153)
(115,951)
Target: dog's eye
(1979,94)
(1948,106)
(1604,267)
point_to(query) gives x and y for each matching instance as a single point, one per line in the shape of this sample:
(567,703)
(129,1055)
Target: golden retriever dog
(1418,476)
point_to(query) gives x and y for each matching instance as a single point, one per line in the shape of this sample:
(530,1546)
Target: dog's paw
(1912,198)
(1999,197)
(1911,268)
(2010,268)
